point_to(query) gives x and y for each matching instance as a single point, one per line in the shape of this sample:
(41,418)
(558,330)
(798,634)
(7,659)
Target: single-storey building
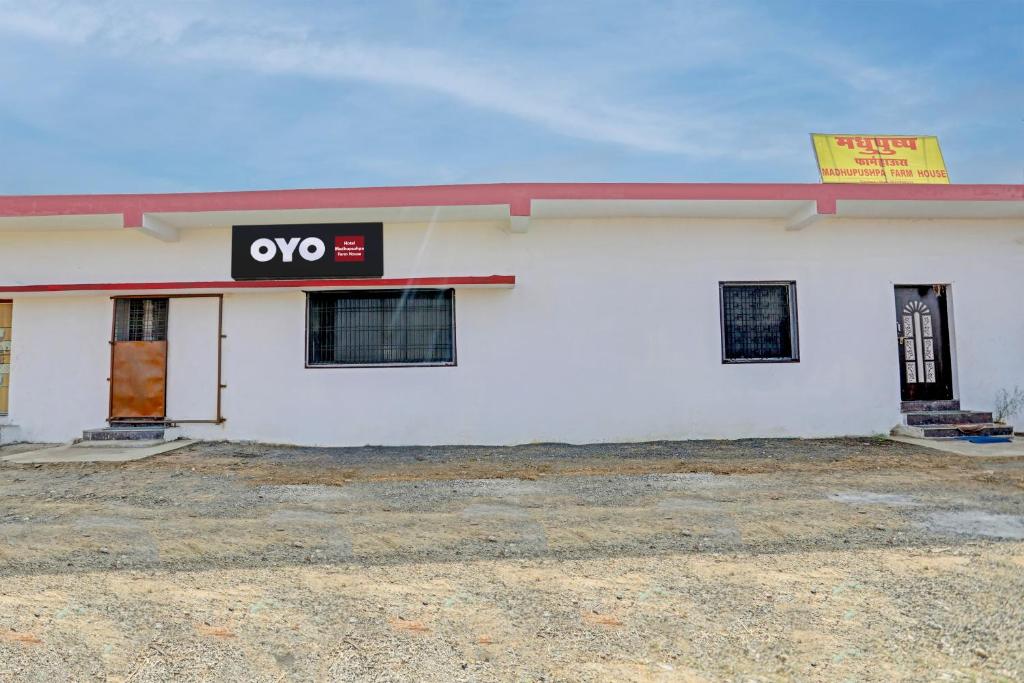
(510,313)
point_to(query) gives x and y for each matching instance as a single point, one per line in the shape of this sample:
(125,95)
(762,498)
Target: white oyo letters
(264,249)
(287,247)
(312,248)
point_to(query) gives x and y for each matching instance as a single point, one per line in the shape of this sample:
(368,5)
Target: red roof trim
(453,281)
(516,195)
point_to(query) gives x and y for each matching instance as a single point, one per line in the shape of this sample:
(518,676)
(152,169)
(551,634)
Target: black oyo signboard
(315,250)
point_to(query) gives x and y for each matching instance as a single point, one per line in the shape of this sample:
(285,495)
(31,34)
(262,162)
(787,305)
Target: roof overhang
(925,208)
(163,215)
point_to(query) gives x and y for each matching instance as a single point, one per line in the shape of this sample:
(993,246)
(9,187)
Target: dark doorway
(922,326)
(138,359)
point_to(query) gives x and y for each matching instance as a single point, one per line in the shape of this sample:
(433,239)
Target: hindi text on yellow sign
(879,159)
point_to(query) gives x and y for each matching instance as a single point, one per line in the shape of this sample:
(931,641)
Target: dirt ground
(849,559)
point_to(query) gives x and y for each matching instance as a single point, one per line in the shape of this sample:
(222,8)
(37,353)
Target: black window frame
(353,292)
(794,326)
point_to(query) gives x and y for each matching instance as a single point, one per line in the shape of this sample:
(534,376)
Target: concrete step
(929,406)
(947,417)
(119,443)
(953,431)
(124,434)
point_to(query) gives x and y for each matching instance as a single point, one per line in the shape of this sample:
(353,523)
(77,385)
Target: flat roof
(509,201)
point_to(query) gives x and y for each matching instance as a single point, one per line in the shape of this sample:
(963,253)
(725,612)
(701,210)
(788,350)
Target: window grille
(401,327)
(140,320)
(759,322)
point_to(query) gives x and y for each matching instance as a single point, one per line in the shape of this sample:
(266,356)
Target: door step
(947,417)
(953,431)
(945,420)
(120,443)
(929,406)
(134,432)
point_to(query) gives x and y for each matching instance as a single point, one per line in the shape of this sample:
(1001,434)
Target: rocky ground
(852,559)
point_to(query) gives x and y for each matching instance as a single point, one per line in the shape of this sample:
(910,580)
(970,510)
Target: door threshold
(929,406)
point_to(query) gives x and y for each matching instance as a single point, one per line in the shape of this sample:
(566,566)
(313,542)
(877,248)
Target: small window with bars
(759,322)
(393,327)
(140,320)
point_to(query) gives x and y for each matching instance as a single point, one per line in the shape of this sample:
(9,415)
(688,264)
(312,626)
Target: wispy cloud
(182,36)
(573,103)
(426,90)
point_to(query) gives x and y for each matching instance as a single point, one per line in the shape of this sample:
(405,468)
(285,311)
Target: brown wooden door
(6,313)
(922,326)
(138,359)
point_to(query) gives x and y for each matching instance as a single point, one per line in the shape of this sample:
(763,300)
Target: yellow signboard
(879,159)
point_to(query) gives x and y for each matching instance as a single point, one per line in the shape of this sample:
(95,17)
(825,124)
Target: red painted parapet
(517,196)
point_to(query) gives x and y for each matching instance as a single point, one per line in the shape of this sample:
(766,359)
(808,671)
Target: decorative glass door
(926,373)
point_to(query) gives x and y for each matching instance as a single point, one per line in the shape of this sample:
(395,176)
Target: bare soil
(845,559)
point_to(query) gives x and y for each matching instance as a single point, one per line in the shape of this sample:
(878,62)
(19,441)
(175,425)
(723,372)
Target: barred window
(395,327)
(140,320)
(759,322)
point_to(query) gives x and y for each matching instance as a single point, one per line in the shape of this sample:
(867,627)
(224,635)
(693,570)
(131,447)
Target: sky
(133,96)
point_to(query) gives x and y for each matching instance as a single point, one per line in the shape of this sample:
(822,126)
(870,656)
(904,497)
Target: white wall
(60,361)
(612,332)
(192,358)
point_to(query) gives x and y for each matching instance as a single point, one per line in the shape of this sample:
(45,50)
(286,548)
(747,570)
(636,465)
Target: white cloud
(584,99)
(199,37)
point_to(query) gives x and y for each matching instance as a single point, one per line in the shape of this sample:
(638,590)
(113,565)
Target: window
(6,310)
(140,320)
(400,327)
(759,322)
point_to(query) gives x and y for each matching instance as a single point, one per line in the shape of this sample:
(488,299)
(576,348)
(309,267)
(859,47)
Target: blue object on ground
(986,439)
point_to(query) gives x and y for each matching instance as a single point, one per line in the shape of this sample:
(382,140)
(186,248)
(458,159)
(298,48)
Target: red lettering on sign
(348,248)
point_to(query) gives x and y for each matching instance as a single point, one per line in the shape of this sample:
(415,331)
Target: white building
(509,313)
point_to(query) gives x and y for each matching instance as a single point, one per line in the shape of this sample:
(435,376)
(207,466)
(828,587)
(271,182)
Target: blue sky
(131,96)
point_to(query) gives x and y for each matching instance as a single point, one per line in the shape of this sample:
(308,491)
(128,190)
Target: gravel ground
(847,559)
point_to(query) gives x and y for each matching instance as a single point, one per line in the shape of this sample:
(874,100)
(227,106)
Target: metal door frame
(9,354)
(220,351)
